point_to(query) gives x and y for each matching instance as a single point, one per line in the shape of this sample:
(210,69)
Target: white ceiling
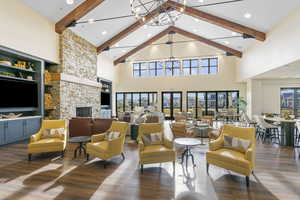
(289,71)
(265,14)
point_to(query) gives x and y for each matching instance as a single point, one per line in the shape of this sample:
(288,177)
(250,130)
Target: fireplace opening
(84,112)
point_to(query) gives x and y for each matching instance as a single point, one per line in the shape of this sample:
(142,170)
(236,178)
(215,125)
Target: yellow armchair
(236,161)
(104,149)
(154,153)
(38,144)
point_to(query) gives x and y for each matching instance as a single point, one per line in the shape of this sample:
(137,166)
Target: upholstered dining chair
(242,162)
(104,148)
(40,144)
(155,153)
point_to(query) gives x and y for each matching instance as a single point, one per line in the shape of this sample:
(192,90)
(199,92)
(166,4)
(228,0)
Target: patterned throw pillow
(53,133)
(112,135)
(235,143)
(152,139)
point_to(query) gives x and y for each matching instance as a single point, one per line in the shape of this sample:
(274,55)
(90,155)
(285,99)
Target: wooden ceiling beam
(129,30)
(181,32)
(207,41)
(76,14)
(219,21)
(143,45)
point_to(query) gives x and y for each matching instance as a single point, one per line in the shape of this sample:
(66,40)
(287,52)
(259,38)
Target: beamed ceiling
(265,14)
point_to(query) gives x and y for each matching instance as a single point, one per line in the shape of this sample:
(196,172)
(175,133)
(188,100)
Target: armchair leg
(123,156)
(174,166)
(62,153)
(104,164)
(142,168)
(29,157)
(247,181)
(87,157)
(207,168)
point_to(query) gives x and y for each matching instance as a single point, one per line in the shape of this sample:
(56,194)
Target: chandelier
(166,15)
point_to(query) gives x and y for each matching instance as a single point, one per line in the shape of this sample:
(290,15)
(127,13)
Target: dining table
(287,130)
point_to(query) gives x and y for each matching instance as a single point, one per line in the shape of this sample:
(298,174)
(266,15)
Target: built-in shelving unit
(26,74)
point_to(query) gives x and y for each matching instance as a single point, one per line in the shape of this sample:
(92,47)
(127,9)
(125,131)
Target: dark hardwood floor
(47,176)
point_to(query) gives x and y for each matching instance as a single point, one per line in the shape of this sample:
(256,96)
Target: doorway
(171,103)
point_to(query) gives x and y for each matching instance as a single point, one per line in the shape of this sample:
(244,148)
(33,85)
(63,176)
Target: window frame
(209,65)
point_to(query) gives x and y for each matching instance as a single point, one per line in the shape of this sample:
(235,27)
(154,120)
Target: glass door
(222,101)
(171,103)
(201,104)
(211,103)
(191,103)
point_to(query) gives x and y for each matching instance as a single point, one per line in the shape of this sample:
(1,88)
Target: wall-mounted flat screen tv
(17,94)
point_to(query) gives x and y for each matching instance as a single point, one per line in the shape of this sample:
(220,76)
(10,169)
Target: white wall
(107,70)
(25,30)
(264,95)
(280,48)
(224,80)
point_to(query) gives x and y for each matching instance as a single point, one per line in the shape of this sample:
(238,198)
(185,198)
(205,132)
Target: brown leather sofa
(86,126)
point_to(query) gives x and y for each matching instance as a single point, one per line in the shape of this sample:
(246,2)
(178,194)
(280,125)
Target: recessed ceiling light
(123,51)
(196,20)
(181,9)
(117,45)
(91,21)
(149,35)
(234,33)
(226,42)
(104,32)
(195,30)
(200,1)
(70,2)
(247,15)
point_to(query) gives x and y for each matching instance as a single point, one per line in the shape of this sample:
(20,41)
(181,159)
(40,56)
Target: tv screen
(18,94)
(105,99)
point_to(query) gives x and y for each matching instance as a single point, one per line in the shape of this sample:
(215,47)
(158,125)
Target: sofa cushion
(80,127)
(100,125)
(98,146)
(156,151)
(49,142)
(229,156)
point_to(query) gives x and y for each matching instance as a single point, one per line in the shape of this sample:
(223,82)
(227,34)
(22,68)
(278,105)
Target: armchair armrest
(36,137)
(249,154)
(216,144)
(115,145)
(168,143)
(98,137)
(141,145)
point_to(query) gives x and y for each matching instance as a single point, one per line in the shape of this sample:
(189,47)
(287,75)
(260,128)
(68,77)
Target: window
(127,101)
(173,67)
(152,68)
(207,103)
(190,67)
(209,66)
(140,69)
(290,101)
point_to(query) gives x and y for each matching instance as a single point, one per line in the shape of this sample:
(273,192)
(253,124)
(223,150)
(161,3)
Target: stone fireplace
(75,85)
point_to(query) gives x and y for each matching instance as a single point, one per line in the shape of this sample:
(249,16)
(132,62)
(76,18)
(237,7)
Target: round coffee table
(81,140)
(188,143)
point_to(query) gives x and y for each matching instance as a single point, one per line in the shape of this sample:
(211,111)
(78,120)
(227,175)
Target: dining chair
(268,130)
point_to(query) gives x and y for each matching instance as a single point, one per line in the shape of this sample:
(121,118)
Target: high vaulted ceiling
(265,14)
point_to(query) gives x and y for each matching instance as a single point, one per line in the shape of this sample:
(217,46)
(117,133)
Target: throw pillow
(152,139)
(112,135)
(53,133)
(235,143)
